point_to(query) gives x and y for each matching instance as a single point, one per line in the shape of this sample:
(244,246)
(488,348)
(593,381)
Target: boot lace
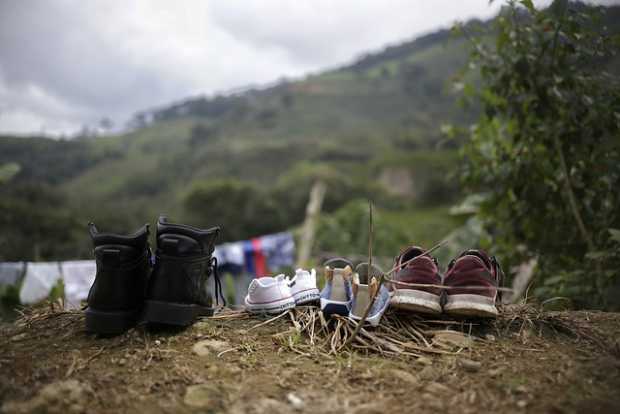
(198,258)
(218,283)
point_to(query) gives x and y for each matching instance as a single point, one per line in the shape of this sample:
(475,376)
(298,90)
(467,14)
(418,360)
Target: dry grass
(413,336)
(304,330)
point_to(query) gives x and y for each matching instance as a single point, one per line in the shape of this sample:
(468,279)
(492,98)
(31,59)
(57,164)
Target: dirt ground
(48,363)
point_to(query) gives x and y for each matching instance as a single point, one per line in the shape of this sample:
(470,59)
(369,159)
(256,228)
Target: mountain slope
(347,119)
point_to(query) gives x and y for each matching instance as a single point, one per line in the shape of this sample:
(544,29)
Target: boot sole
(170,313)
(109,323)
(416,301)
(471,305)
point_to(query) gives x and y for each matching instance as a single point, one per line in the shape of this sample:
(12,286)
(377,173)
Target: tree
(37,224)
(546,148)
(241,209)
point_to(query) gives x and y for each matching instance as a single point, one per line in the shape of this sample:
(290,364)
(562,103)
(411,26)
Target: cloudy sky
(66,63)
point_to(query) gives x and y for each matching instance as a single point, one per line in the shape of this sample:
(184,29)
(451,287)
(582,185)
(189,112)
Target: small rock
(201,396)
(453,339)
(295,401)
(437,388)
(495,372)
(489,337)
(521,403)
(403,376)
(521,389)
(122,361)
(206,347)
(61,396)
(469,365)
(18,337)
(234,370)
(157,342)
(424,361)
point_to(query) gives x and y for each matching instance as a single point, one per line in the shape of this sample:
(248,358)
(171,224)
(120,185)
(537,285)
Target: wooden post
(313,210)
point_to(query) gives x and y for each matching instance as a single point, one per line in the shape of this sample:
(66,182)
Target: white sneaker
(269,295)
(303,286)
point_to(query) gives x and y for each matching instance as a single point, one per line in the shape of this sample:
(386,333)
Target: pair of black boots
(129,288)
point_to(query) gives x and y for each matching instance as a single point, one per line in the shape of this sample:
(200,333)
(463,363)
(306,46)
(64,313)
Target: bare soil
(48,363)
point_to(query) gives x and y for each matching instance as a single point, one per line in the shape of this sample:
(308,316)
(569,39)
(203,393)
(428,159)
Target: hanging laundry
(39,280)
(279,250)
(260,264)
(230,258)
(78,276)
(255,263)
(11,272)
(269,253)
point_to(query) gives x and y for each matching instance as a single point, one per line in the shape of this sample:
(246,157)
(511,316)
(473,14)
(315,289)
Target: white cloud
(69,62)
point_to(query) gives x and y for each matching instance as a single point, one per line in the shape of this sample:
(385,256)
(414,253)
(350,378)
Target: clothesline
(257,257)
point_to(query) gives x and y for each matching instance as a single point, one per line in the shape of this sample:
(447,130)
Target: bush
(241,209)
(546,148)
(346,232)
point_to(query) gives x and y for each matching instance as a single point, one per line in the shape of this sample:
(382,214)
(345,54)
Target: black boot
(177,291)
(123,265)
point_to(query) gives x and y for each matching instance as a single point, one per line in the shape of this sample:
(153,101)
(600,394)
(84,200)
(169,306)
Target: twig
(269,320)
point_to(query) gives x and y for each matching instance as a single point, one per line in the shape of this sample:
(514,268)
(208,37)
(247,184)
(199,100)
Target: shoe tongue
(178,244)
(477,253)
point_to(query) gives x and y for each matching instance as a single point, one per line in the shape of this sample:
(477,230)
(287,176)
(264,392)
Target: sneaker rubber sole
(110,322)
(274,307)
(170,313)
(412,300)
(471,305)
(306,296)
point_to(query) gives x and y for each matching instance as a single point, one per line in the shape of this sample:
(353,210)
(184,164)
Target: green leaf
(615,235)
(554,280)
(528,4)
(596,255)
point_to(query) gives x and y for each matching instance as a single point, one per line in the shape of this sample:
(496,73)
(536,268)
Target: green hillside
(364,125)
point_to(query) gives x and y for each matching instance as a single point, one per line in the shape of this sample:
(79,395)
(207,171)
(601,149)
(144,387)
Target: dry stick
(370,228)
(374,296)
(269,321)
(233,314)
